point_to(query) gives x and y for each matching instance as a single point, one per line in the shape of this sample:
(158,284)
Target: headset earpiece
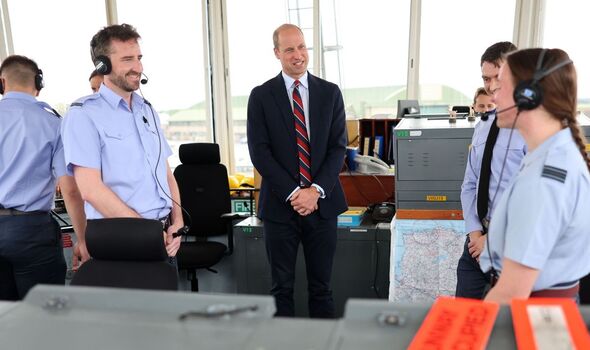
(528,95)
(39,83)
(103,65)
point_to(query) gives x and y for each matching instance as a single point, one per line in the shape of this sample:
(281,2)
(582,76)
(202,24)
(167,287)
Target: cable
(494,273)
(184,230)
(355,184)
(376,266)
(389,199)
(375,241)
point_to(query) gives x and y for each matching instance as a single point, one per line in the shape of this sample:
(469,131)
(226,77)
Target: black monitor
(407,107)
(461,109)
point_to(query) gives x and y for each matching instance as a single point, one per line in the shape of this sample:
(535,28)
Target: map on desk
(424,257)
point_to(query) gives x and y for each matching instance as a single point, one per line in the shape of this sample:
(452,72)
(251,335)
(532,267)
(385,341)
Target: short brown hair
(19,70)
(480,91)
(100,45)
(495,53)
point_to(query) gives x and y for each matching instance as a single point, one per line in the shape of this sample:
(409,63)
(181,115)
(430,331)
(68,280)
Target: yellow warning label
(436,198)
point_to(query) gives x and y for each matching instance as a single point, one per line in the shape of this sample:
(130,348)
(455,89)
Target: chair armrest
(230,217)
(234,216)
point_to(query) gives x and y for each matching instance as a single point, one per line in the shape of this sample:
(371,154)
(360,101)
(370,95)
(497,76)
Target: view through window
(172,48)
(61,47)
(454,35)
(564,21)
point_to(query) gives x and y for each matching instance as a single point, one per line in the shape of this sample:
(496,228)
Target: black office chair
(204,193)
(126,253)
(585,290)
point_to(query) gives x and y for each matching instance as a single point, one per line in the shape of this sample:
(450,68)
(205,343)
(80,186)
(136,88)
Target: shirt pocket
(477,148)
(121,146)
(513,151)
(116,134)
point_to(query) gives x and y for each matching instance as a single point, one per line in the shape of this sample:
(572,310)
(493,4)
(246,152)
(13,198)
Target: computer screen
(407,107)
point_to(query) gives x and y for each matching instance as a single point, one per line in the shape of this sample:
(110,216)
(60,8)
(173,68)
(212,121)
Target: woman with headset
(539,242)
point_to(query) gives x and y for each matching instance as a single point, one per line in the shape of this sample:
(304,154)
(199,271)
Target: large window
(451,46)
(251,60)
(365,52)
(565,23)
(56,34)
(172,45)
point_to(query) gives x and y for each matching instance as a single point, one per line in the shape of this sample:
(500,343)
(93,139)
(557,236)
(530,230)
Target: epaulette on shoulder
(80,102)
(47,108)
(554,173)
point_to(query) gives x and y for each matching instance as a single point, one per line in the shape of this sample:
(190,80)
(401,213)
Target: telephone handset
(371,165)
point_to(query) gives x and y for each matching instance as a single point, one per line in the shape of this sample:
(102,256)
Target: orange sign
(456,323)
(548,323)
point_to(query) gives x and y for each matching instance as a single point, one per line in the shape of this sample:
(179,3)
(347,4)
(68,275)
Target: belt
(165,222)
(570,292)
(485,222)
(14,212)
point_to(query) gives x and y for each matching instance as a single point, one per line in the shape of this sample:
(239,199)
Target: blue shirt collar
(20,96)
(290,81)
(114,99)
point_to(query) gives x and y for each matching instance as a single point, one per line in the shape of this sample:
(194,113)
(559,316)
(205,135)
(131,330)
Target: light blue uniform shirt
(31,153)
(470,185)
(101,132)
(543,219)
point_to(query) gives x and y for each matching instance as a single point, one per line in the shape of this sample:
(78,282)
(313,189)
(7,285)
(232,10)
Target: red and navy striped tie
(303,148)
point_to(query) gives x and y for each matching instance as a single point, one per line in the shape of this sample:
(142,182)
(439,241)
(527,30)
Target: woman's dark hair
(559,87)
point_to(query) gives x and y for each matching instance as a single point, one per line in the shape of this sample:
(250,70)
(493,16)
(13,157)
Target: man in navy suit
(297,141)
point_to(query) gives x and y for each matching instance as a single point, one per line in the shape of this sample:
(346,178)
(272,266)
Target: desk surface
(361,190)
(365,226)
(54,317)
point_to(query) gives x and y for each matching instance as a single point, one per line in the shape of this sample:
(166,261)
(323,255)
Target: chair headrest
(199,153)
(125,239)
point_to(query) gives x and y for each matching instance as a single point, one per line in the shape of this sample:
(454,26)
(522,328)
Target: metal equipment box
(430,160)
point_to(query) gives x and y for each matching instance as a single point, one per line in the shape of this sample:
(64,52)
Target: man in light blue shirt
(31,160)
(114,145)
(507,153)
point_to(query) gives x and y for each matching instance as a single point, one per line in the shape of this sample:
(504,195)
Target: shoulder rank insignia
(76,104)
(554,173)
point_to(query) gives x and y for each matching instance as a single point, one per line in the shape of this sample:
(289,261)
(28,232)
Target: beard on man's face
(121,82)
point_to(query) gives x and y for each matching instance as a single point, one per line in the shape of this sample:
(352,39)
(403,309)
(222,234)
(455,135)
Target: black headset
(39,84)
(102,64)
(528,94)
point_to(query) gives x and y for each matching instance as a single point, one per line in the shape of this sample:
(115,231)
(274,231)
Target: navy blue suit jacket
(273,148)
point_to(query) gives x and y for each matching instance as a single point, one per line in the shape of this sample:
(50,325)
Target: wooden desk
(361,189)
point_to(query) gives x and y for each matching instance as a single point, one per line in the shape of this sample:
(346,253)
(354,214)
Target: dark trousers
(30,253)
(471,281)
(318,237)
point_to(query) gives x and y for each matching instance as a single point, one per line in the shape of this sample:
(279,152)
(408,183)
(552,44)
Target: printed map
(424,256)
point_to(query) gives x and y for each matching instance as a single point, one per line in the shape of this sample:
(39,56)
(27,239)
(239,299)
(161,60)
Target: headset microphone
(144,80)
(486,115)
